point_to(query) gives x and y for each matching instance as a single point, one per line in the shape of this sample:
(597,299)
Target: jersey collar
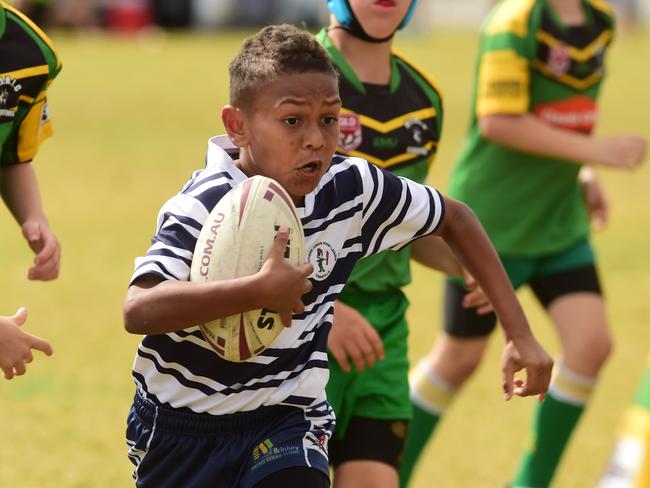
(3,19)
(347,71)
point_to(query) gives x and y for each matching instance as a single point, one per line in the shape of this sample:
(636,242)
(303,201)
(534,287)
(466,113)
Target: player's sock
(430,396)
(555,419)
(630,462)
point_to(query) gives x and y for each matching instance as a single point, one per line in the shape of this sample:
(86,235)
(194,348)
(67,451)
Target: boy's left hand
(528,355)
(46,246)
(595,198)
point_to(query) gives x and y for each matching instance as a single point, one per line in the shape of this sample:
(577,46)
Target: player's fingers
(44,271)
(49,251)
(280,244)
(31,232)
(306,269)
(485,309)
(375,342)
(41,345)
(355,354)
(20,317)
(19,368)
(285,317)
(307,287)
(298,306)
(341,357)
(508,374)
(8,372)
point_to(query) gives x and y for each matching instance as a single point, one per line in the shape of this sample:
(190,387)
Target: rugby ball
(234,242)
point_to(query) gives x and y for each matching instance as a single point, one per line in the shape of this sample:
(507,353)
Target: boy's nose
(314,138)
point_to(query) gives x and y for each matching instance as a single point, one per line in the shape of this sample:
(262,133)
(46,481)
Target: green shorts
(381,391)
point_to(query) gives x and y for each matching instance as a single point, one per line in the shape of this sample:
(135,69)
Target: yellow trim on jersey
(578,54)
(511,17)
(397,122)
(42,69)
(421,72)
(503,82)
(27,99)
(35,28)
(400,158)
(568,79)
(602,6)
(32,132)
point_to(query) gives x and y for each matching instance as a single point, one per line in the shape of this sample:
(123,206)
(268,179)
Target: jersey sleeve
(503,79)
(34,128)
(396,210)
(179,223)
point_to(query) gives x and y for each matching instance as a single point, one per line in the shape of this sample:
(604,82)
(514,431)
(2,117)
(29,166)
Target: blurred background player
(630,463)
(28,64)
(538,76)
(391,116)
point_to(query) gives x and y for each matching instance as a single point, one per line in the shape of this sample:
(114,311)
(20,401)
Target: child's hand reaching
(16,345)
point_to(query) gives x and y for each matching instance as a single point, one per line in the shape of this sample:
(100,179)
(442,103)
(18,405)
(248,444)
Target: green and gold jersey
(396,127)
(531,63)
(28,64)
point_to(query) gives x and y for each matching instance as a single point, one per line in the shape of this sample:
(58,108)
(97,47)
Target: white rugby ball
(234,242)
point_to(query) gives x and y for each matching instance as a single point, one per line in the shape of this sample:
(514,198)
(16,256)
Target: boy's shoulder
(510,17)
(417,71)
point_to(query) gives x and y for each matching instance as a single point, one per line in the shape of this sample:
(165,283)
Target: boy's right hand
(284,284)
(624,151)
(16,345)
(529,355)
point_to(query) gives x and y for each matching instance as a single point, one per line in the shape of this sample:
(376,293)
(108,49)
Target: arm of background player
(19,189)
(527,133)
(462,231)
(157,306)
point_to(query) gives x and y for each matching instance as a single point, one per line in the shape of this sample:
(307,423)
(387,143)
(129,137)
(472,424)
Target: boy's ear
(233,121)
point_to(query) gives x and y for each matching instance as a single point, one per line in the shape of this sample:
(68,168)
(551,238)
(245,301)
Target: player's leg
(573,300)
(368,451)
(436,379)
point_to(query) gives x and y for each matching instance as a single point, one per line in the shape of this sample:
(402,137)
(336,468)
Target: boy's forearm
(527,133)
(19,189)
(433,252)
(466,237)
(169,306)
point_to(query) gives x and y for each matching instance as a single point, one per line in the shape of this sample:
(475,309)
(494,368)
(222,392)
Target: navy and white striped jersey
(356,210)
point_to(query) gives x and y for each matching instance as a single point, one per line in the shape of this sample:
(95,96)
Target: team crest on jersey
(418,130)
(323,258)
(349,131)
(559,59)
(9,90)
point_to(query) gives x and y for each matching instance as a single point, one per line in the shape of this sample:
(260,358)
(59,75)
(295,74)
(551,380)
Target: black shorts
(370,440)
(465,322)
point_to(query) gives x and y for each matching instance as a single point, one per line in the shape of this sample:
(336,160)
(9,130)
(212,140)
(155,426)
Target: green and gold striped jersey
(28,64)
(530,62)
(396,127)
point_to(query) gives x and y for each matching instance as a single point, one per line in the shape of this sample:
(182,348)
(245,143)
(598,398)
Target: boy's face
(380,18)
(289,132)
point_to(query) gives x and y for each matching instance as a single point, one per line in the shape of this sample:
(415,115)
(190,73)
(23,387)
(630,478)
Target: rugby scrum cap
(345,16)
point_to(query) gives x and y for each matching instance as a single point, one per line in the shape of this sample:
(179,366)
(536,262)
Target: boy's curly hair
(274,51)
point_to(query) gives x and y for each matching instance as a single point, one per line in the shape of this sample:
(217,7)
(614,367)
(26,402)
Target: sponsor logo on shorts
(577,113)
(265,452)
(323,258)
(349,131)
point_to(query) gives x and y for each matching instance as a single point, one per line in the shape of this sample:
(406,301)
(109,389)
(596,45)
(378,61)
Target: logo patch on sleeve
(577,114)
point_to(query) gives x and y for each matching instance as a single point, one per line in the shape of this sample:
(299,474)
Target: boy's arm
(462,231)
(157,306)
(527,133)
(433,252)
(19,189)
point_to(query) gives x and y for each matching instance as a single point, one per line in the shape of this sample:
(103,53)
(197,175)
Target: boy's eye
(291,120)
(329,120)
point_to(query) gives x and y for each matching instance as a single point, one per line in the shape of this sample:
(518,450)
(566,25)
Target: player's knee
(593,350)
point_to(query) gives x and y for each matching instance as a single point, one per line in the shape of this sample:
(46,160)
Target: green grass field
(132,118)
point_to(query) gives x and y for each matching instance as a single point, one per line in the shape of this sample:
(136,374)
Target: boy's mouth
(385,3)
(312,167)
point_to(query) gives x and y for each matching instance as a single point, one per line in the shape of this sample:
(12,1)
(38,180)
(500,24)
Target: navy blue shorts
(173,449)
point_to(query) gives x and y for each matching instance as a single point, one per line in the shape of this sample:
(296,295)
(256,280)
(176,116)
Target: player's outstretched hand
(529,355)
(475,298)
(284,283)
(625,151)
(353,338)
(16,345)
(46,246)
